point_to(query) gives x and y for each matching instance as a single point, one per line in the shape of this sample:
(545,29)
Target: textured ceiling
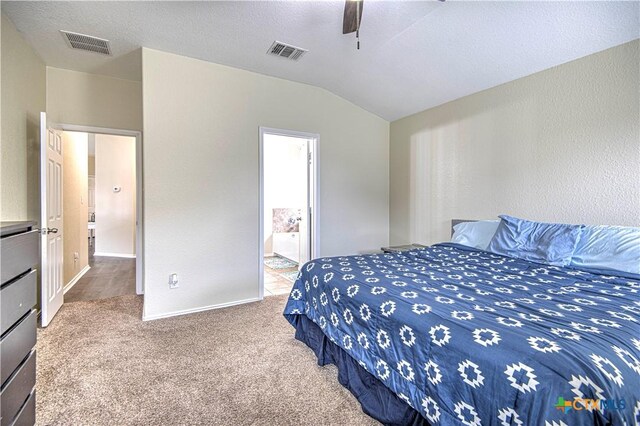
(414,55)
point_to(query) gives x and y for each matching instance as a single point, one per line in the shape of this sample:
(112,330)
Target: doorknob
(45,231)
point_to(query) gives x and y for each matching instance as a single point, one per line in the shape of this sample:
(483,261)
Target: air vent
(85,42)
(286,51)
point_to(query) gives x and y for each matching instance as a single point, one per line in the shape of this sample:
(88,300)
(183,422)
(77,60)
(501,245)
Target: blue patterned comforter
(469,337)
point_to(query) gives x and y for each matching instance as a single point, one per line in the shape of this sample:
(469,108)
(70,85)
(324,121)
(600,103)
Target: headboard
(454,222)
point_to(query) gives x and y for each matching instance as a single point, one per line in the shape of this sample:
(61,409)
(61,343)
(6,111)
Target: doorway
(288,207)
(99,204)
(65,214)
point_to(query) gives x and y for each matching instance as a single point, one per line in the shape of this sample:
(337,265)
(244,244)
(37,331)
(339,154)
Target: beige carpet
(98,363)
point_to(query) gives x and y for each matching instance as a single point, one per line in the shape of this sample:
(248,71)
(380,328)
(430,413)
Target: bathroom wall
(285,181)
(115,210)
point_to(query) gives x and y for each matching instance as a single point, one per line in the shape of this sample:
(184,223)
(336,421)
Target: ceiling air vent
(85,42)
(286,51)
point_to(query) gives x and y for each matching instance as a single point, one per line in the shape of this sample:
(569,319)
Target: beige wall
(93,100)
(560,145)
(201,124)
(115,211)
(75,212)
(23,98)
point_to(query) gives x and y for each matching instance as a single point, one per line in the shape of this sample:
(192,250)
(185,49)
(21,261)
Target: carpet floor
(99,364)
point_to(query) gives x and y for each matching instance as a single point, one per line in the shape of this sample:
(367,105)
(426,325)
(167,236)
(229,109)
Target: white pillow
(475,234)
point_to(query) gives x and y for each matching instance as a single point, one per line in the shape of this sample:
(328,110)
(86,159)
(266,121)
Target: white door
(51,219)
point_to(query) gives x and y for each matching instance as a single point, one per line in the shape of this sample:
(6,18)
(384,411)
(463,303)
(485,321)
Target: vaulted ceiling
(414,54)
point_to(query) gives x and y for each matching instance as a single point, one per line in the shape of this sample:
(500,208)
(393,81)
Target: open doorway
(64,195)
(100,214)
(288,207)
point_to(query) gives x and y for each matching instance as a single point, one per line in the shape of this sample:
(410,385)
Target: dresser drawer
(18,254)
(16,345)
(27,415)
(17,389)
(16,299)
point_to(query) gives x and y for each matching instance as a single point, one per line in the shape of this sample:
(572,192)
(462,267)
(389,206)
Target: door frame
(313,194)
(139,189)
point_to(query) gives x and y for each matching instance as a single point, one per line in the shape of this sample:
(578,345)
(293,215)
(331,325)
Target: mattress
(464,336)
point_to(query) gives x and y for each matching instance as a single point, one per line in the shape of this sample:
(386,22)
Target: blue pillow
(608,247)
(475,234)
(549,243)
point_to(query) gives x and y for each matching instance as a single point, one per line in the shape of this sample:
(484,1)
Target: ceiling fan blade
(352,18)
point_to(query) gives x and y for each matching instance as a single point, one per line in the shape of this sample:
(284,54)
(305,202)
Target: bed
(450,335)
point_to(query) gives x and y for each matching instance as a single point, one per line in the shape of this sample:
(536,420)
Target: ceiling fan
(353,18)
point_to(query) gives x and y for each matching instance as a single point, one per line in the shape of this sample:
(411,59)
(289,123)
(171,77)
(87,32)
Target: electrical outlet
(76,255)
(173,281)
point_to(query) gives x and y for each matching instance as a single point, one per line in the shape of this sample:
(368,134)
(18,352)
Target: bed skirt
(376,399)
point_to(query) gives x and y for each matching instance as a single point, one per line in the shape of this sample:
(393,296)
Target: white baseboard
(200,309)
(75,279)
(128,256)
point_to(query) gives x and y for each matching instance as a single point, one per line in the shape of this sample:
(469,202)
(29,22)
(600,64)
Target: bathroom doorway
(288,205)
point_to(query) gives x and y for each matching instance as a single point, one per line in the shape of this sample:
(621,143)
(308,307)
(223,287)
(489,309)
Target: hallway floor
(108,277)
(278,280)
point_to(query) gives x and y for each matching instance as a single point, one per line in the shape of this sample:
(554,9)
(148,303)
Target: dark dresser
(20,251)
